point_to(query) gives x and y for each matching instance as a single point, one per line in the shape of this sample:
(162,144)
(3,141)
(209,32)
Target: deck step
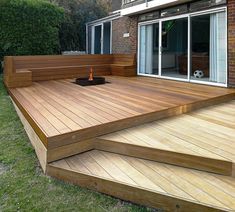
(219,166)
(192,140)
(146,182)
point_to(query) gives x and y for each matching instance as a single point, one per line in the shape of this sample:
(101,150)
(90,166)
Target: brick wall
(231,42)
(122,44)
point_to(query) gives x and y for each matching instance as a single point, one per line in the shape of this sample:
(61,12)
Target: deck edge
(128,192)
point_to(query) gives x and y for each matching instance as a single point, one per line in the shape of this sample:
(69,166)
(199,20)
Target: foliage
(29,27)
(23,186)
(78,13)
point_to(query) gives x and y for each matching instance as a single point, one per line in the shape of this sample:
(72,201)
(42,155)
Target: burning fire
(91,75)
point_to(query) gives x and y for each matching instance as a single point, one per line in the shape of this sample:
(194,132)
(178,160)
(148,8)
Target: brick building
(185,40)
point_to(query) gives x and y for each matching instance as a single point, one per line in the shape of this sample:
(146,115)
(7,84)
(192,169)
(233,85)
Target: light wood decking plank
(174,180)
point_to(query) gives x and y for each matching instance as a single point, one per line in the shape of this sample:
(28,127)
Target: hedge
(29,27)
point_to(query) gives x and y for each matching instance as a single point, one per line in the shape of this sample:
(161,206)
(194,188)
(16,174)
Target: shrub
(29,27)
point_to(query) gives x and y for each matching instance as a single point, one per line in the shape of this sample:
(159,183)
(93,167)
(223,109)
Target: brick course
(119,27)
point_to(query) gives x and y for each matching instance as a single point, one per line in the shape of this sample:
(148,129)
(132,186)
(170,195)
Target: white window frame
(102,36)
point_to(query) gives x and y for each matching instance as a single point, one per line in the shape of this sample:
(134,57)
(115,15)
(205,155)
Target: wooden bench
(23,70)
(124,65)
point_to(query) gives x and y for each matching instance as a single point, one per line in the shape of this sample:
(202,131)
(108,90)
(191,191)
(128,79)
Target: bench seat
(23,70)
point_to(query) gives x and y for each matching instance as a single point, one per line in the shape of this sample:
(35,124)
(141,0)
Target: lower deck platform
(204,139)
(147,182)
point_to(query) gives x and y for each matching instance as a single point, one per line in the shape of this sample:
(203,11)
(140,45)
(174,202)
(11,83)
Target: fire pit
(91,80)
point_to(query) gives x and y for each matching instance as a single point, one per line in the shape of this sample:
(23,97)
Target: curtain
(218,47)
(142,49)
(146,49)
(149,49)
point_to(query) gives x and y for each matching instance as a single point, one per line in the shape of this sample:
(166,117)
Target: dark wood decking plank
(81,99)
(72,106)
(68,111)
(54,110)
(61,127)
(38,118)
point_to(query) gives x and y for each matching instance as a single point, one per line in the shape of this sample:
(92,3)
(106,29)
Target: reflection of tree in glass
(167,26)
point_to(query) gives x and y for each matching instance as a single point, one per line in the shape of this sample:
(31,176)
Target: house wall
(121,44)
(231,42)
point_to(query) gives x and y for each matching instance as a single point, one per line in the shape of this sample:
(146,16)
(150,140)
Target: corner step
(190,141)
(147,182)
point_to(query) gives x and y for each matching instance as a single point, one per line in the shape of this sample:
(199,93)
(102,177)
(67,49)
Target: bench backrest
(128,59)
(28,62)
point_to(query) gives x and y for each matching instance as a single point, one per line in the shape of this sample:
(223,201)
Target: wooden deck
(112,138)
(63,112)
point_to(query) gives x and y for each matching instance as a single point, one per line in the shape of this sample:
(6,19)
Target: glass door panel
(174,48)
(97,39)
(107,38)
(208,53)
(149,49)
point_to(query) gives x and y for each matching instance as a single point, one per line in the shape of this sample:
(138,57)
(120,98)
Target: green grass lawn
(24,187)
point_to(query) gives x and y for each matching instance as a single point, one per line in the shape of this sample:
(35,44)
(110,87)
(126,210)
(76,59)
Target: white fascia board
(145,7)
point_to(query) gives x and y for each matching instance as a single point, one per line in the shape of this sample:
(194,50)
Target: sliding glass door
(97,39)
(149,49)
(208,51)
(174,59)
(190,47)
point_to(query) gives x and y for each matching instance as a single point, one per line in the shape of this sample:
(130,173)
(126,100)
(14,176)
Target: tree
(77,14)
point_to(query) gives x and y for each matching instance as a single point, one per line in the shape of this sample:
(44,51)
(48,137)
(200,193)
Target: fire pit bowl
(86,82)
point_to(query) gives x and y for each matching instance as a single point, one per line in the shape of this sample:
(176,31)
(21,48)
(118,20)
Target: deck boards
(206,133)
(64,110)
(127,139)
(156,177)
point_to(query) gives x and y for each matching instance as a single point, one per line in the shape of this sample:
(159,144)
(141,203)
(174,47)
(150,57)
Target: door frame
(188,15)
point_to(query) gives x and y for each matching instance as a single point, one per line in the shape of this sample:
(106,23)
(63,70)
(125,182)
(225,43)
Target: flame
(91,75)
